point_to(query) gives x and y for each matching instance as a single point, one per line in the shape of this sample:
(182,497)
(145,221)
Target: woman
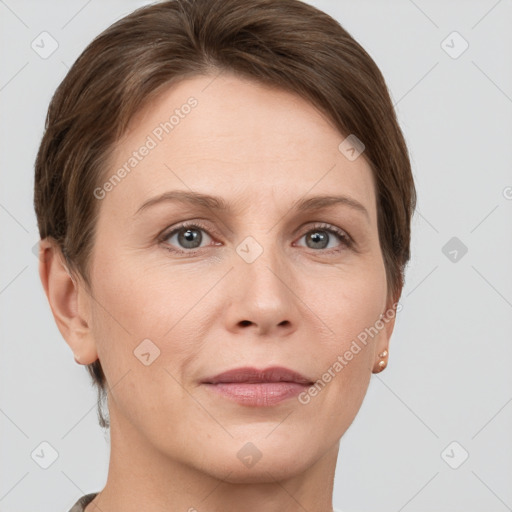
(224,199)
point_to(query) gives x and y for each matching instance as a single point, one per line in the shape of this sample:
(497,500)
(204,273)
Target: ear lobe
(68,300)
(382,346)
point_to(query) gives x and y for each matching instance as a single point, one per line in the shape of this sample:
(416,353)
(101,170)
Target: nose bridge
(264,280)
(263,259)
(261,243)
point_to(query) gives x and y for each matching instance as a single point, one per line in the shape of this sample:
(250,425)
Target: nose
(262,295)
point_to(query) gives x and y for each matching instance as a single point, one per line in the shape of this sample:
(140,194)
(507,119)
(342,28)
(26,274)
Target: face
(185,289)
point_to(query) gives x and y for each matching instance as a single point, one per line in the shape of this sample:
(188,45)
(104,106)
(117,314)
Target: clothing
(80,505)
(85,500)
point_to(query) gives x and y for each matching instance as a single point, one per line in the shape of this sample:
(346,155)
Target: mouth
(252,387)
(251,375)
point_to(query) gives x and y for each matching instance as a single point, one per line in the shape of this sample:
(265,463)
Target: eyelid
(167,232)
(342,234)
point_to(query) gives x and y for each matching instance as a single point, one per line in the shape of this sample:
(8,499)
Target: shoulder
(83,502)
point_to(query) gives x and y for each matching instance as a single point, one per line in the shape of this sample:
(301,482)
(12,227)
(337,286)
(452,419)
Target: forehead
(239,139)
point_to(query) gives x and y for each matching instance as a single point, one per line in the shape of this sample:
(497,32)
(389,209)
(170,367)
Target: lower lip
(258,394)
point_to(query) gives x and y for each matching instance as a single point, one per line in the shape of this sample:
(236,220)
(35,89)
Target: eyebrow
(217,203)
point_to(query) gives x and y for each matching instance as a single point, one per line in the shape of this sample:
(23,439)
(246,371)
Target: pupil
(190,237)
(318,237)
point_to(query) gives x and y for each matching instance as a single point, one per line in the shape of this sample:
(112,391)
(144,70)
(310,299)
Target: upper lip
(253,375)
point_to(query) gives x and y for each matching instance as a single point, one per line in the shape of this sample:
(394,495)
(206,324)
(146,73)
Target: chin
(268,471)
(261,461)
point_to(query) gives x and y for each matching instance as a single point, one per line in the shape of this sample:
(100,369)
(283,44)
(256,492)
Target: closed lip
(251,375)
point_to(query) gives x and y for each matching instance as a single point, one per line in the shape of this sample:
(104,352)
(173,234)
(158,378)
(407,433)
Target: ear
(69,301)
(382,343)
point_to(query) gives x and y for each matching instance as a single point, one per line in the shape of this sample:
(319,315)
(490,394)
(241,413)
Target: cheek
(131,299)
(144,373)
(350,302)
(349,308)
(141,329)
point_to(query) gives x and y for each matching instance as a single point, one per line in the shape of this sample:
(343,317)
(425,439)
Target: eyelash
(342,235)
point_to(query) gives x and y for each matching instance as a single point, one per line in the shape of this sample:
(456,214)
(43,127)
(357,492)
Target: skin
(174,443)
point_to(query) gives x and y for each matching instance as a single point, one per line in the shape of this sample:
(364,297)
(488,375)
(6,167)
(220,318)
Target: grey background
(449,376)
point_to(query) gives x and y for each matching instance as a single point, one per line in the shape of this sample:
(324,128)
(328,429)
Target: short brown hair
(283,43)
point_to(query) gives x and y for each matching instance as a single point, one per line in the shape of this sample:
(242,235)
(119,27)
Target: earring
(382,363)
